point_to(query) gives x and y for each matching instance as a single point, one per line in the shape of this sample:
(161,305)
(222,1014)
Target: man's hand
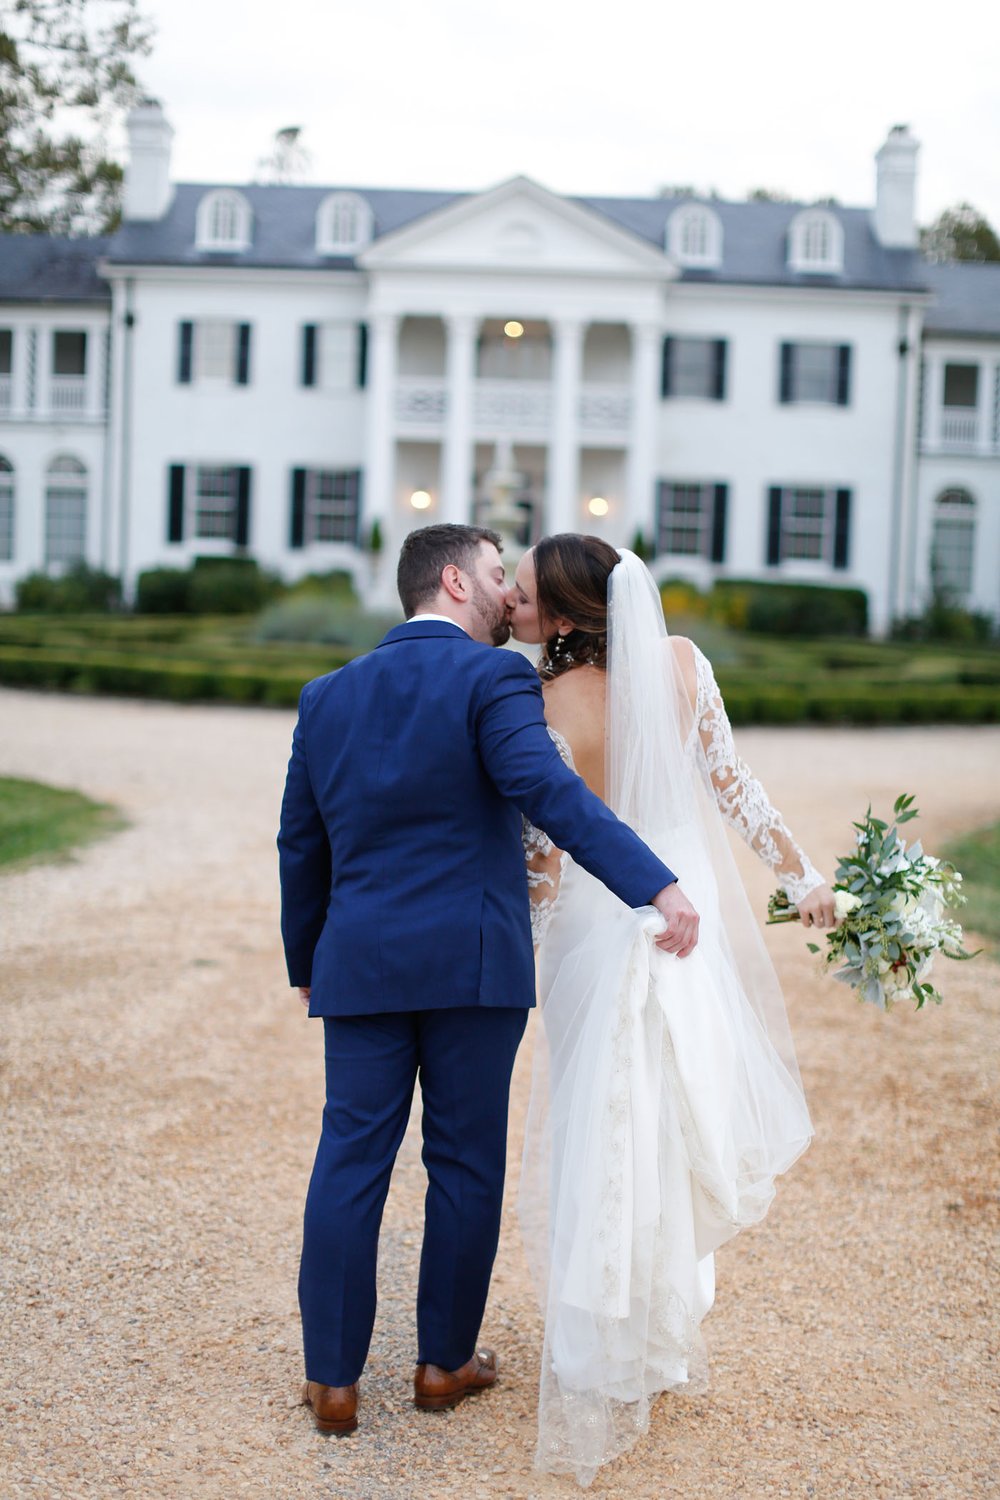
(304,993)
(817,909)
(681,934)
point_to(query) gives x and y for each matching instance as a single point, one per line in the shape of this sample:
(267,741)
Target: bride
(666,1095)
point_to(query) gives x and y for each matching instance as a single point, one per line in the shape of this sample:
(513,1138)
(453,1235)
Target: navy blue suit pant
(464,1058)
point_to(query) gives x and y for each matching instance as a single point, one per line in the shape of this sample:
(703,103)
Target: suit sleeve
(525,766)
(303,861)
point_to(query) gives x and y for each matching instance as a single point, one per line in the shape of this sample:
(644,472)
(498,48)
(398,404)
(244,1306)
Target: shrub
(798,609)
(80,590)
(310,617)
(680,597)
(163,591)
(943,620)
(230,586)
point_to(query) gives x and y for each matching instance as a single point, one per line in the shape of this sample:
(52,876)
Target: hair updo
(571,576)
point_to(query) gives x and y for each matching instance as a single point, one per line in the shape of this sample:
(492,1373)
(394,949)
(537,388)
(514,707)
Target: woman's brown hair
(571,577)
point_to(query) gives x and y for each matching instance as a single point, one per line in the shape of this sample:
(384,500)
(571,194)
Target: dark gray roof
(967,299)
(284,226)
(755,235)
(755,243)
(43,268)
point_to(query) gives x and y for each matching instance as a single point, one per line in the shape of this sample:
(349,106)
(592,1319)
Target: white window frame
(796,396)
(224,221)
(66,480)
(7,500)
(694,236)
(319,507)
(702,528)
(708,347)
(344,222)
(216,350)
(196,476)
(816,242)
(820,527)
(955,518)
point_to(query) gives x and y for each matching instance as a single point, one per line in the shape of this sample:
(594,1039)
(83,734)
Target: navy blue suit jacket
(403,881)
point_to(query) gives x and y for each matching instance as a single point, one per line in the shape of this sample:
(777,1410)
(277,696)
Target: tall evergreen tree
(960,233)
(65,72)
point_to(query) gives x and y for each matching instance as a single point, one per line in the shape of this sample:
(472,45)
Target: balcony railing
(605,409)
(959,429)
(514,406)
(421,402)
(517,407)
(68,393)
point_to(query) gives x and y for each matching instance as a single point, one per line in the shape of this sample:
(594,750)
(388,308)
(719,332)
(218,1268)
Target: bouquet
(891,905)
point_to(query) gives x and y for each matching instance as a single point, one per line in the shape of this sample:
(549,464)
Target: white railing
(605,409)
(421,403)
(514,406)
(6,393)
(959,429)
(68,393)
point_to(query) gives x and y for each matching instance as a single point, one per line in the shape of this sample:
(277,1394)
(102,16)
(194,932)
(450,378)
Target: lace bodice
(544,861)
(741,799)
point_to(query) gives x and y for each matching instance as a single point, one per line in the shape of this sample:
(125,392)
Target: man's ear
(454,583)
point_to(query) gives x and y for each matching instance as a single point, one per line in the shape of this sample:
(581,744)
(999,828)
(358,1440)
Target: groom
(406,927)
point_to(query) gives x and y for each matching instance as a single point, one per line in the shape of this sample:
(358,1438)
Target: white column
(933,402)
(379,478)
(640,467)
(457,462)
(563,502)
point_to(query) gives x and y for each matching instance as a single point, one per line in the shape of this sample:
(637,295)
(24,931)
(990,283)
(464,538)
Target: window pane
(815,369)
(65,522)
(693,367)
(803,524)
(69,353)
(6,351)
(682,518)
(961,385)
(333,506)
(215,350)
(338,356)
(215,503)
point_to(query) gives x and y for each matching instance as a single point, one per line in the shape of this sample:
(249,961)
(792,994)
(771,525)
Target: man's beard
(494,619)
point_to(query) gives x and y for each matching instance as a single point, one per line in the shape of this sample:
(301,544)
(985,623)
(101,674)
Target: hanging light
(421,500)
(598,506)
(513,329)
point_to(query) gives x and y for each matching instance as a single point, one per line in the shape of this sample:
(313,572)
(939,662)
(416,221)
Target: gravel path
(161,1093)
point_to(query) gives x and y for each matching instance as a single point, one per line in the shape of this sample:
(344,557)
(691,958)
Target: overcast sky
(623,97)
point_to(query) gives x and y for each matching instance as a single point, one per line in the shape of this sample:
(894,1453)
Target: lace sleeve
(544,861)
(742,800)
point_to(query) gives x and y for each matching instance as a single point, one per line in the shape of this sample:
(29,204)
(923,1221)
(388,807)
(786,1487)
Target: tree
(65,71)
(960,233)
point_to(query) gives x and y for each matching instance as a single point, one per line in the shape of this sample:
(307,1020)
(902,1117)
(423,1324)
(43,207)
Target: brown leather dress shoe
(334,1407)
(434,1388)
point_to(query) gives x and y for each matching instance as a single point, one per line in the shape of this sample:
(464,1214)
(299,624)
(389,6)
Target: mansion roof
(45,268)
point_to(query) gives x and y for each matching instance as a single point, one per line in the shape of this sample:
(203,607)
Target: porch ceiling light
(513,329)
(598,506)
(421,500)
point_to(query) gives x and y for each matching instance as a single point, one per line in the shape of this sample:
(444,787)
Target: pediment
(521,227)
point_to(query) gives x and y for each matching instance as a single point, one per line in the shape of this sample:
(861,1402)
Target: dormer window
(816,242)
(224,221)
(343,224)
(694,236)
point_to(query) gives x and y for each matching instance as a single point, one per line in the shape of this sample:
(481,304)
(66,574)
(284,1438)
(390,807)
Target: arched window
(694,236)
(816,242)
(65,510)
(6,509)
(953,547)
(343,224)
(224,221)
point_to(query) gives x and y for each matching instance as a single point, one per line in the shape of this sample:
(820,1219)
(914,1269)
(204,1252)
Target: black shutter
(309,354)
(720,370)
(175,503)
(844,375)
(297,529)
(362,355)
(667,367)
(787,372)
(717,552)
(842,529)
(773,526)
(242,534)
(185,341)
(243,355)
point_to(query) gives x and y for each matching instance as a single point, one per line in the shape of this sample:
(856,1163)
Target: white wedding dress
(666,1096)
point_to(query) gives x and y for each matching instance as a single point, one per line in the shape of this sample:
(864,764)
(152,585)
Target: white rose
(844,902)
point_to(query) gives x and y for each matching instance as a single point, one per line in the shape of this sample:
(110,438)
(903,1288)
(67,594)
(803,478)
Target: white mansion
(761,389)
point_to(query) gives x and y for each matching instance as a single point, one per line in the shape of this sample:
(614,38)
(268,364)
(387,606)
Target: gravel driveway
(162,1091)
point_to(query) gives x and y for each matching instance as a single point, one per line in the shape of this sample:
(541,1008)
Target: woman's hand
(817,909)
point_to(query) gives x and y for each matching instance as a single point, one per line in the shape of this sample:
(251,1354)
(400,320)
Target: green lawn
(977,855)
(46,822)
